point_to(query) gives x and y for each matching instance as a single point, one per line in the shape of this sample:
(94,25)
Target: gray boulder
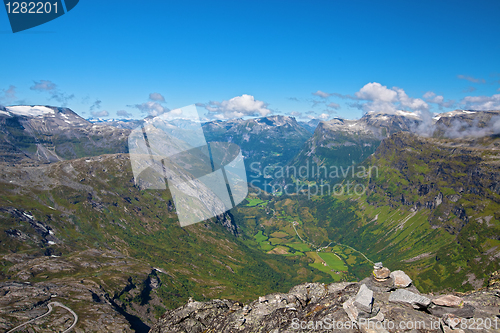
(405,296)
(364,299)
(401,280)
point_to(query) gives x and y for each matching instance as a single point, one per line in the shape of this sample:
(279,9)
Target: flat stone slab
(405,296)
(401,280)
(364,299)
(382,273)
(451,301)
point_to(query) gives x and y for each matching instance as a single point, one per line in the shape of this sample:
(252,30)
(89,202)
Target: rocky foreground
(384,302)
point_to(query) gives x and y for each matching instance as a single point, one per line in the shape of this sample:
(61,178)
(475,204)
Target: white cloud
(296,114)
(237,107)
(410,103)
(151,108)
(469,89)
(99,114)
(324,116)
(429,94)
(316,102)
(383,99)
(321,94)
(51,88)
(43,85)
(482,103)
(157,97)
(374,91)
(431,97)
(471,79)
(333,106)
(123,113)
(8,94)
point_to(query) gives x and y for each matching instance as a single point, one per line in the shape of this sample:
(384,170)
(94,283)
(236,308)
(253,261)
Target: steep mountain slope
(310,125)
(266,142)
(435,187)
(82,230)
(342,143)
(48,134)
(430,206)
(86,221)
(315,307)
(460,123)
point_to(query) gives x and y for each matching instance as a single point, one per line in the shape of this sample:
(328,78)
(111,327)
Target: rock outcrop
(366,306)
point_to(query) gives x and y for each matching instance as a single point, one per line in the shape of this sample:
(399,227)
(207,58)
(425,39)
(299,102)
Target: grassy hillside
(61,210)
(432,209)
(445,192)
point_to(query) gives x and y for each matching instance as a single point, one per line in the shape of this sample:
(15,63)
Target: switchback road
(47,313)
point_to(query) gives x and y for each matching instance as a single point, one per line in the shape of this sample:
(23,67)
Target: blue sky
(252,58)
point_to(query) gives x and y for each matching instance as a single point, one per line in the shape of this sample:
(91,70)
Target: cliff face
(342,142)
(376,304)
(265,142)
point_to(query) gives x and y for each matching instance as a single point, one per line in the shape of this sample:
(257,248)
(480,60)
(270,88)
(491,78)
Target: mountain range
(75,227)
(49,134)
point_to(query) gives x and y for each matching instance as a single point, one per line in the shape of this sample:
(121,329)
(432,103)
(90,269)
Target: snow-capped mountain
(269,141)
(36,133)
(342,142)
(374,124)
(49,115)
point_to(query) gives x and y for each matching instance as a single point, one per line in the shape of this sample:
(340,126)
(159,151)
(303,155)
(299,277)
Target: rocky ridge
(389,304)
(344,142)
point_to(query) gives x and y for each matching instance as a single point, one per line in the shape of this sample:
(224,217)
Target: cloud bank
(379,98)
(481,103)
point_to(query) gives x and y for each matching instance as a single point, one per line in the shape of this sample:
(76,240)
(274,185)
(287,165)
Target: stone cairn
(372,304)
(449,308)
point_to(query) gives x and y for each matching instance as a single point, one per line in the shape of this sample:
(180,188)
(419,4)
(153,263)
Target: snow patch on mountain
(385,115)
(30,111)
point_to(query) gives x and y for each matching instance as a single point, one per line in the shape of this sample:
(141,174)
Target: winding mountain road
(319,249)
(47,313)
